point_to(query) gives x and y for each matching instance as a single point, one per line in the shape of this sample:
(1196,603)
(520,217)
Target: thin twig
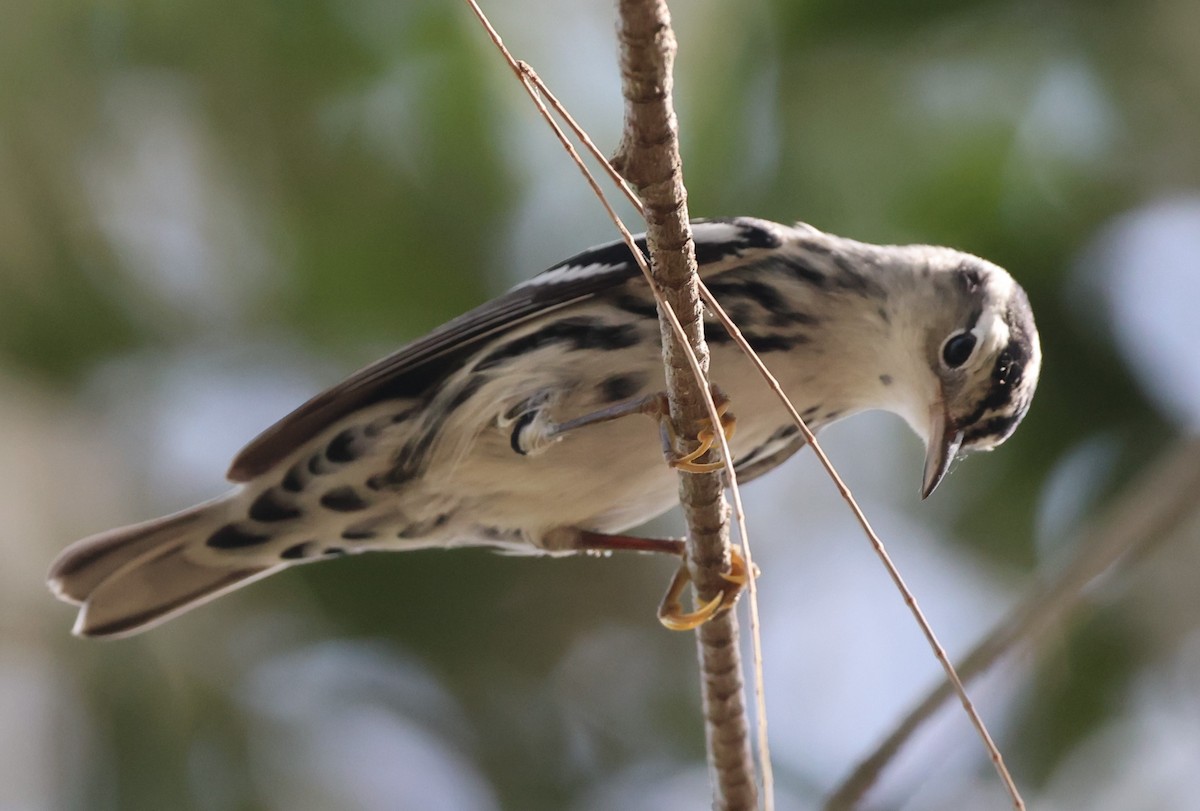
(649,157)
(1151,510)
(736,786)
(617,178)
(739,513)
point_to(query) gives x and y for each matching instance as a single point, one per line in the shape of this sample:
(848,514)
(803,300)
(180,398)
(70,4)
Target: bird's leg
(542,432)
(651,404)
(670,610)
(534,432)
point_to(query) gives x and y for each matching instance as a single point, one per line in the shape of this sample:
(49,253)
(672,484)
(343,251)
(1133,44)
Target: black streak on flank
(344,500)
(740,313)
(715,334)
(770,299)
(499,534)
(341,448)
(355,534)
(294,479)
(844,264)
(577,332)
(801,271)
(410,460)
(318,465)
(635,305)
(786,265)
(779,435)
(762,344)
(764,295)
(467,391)
(414,456)
(296,551)
(621,387)
(231,537)
(852,279)
(272,506)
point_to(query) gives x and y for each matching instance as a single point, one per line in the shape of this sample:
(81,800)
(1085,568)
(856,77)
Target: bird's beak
(940,450)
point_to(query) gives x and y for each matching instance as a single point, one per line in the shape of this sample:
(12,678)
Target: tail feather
(85,564)
(130,579)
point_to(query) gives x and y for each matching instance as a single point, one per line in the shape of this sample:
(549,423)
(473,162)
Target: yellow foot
(671,613)
(707,439)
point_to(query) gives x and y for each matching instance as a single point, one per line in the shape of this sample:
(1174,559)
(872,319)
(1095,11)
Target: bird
(512,426)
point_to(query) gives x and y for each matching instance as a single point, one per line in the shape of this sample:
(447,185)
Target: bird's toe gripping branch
(670,611)
(707,439)
(706,436)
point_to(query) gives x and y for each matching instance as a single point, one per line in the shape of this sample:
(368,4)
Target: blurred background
(210,211)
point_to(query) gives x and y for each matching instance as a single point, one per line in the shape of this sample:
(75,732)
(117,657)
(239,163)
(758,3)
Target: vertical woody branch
(649,158)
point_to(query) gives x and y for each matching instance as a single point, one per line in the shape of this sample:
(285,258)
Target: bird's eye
(958,349)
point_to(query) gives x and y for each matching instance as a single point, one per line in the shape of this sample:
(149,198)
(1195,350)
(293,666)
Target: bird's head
(981,347)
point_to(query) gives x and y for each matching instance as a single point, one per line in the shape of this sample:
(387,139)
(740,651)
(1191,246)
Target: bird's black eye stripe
(958,349)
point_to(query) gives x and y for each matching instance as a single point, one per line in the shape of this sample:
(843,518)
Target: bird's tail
(129,579)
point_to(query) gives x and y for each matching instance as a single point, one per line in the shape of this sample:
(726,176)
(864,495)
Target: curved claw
(688,621)
(707,440)
(670,611)
(737,574)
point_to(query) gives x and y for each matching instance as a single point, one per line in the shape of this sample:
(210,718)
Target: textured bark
(649,158)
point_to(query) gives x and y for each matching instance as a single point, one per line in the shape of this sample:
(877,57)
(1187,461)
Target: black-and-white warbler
(496,430)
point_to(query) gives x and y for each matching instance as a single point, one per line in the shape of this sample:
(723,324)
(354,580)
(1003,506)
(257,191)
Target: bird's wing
(414,369)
